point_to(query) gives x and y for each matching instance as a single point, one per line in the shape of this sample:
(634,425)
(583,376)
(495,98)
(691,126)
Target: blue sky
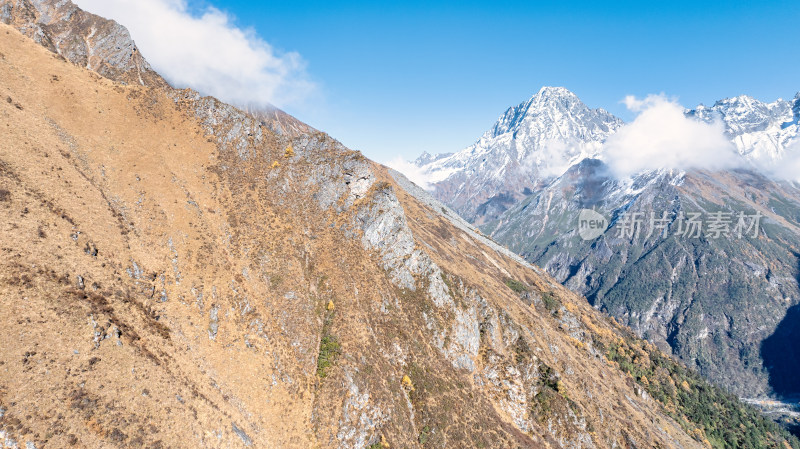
(399,78)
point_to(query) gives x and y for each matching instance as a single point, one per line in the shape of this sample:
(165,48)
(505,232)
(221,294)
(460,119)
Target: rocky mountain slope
(178,273)
(100,45)
(529,145)
(717,303)
(711,300)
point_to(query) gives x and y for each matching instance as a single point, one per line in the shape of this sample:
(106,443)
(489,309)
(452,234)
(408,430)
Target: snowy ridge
(527,134)
(762,132)
(537,141)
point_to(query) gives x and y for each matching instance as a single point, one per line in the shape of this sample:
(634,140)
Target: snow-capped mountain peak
(548,100)
(552,112)
(528,145)
(761,131)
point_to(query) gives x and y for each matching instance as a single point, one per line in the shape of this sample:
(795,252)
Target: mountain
(530,144)
(100,45)
(274,289)
(762,132)
(177,272)
(722,305)
(713,302)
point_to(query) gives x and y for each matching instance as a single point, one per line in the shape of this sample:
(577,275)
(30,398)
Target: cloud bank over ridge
(661,136)
(209,53)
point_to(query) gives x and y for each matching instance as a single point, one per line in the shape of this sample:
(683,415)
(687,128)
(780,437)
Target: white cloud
(208,52)
(661,136)
(411,171)
(556,156)
(788,167)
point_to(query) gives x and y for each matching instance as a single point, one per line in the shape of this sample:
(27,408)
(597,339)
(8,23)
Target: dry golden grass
(113,198)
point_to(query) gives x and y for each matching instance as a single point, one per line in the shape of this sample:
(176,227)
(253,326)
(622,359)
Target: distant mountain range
(724,304)
(538,140)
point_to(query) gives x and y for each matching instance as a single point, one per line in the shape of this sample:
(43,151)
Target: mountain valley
(723,302)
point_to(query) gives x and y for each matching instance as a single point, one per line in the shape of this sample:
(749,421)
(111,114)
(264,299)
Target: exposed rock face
(281,123)
(84,39)
(245,287)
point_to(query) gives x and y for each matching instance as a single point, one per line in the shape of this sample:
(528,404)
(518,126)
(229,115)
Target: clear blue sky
(405,77)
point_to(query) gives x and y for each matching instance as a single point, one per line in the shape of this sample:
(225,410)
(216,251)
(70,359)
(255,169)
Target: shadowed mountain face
(781,355)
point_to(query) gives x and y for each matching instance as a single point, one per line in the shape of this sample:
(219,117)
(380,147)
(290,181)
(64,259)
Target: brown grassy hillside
(176,273)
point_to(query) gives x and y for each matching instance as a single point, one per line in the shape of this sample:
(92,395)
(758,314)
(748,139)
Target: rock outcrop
(84,39)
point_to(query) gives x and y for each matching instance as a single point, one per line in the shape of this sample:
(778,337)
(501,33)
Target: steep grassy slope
(177,273)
